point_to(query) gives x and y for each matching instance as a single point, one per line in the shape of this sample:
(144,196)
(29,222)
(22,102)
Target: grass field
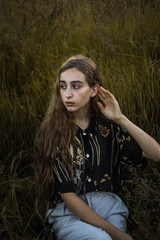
(123,38)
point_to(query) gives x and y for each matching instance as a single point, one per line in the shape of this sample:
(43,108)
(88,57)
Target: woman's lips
(69,104)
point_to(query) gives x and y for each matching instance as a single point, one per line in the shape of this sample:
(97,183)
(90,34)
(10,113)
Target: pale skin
(111,110)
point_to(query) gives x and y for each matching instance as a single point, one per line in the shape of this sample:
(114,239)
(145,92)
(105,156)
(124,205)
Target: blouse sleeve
(127,154)
(63,180)
(130,152)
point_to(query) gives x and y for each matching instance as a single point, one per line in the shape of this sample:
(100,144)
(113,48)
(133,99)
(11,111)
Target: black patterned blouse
(107,149)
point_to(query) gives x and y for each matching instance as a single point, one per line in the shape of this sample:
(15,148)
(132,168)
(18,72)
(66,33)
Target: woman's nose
(68,93)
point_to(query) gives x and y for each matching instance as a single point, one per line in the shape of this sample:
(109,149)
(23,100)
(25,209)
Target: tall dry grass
(123,38)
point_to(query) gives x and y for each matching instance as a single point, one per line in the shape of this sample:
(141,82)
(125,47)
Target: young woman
(81,150)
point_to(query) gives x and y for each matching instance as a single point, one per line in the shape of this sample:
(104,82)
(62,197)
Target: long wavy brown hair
(58,129)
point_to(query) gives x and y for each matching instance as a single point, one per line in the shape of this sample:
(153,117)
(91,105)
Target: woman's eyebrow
(74,81)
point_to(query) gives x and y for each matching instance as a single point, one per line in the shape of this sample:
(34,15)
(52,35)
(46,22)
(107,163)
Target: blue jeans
(67,226)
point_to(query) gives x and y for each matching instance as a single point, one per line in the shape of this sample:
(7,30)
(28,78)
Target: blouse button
(87,155)
(89,179)
(84,133)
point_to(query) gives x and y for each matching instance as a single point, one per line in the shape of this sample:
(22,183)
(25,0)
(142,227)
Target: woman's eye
(76,86)
(63,86)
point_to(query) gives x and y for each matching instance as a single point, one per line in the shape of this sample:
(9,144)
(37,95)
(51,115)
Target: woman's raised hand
(108,105)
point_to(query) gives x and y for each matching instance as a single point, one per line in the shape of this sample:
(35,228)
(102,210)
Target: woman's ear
(94,90)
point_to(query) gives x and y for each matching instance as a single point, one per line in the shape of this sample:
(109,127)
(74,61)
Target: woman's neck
(82,121)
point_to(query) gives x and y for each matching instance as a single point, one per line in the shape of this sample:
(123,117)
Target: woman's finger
(100,105)
(105,93)
(108,96)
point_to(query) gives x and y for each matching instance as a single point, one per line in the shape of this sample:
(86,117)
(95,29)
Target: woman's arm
(111,110)
(86,214)
(150,148)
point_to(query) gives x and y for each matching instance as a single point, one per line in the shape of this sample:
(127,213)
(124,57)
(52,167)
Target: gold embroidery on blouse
(79,157)
(95,144)
(62,167)
(121,146)
(125,139)
(106,175)
(128,139)
(103,180)
(104,130)
(95,183)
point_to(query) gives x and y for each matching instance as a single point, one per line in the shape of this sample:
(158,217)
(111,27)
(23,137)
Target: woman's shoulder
(105,122)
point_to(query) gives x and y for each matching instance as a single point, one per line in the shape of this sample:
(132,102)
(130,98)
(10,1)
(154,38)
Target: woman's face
(75,92)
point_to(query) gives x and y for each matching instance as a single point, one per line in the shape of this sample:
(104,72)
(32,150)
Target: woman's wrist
(121,120)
